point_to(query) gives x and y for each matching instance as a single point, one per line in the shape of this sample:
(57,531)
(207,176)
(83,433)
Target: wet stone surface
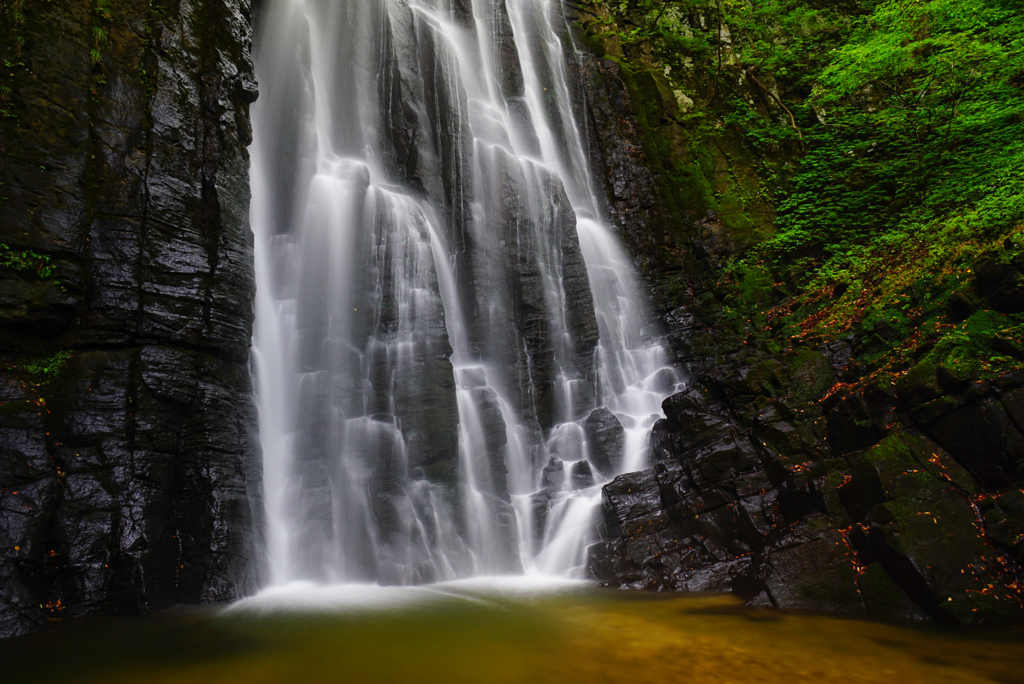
(128,466)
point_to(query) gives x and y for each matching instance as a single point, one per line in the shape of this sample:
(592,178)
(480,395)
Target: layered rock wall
(129,470)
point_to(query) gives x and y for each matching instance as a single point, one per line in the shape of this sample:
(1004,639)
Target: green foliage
(922,116)
(743,73)
(47,367)
(987,343)
(890,137)
(26,261)
(102,10)
(720,52)
(901,114)
(914,169)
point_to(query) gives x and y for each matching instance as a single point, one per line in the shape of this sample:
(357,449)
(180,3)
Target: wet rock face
(524,255)
(893,530)
(582,475)
(129,470)
(617,156)
(755,492)
(606,438)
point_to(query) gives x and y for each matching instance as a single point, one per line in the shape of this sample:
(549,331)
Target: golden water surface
(579,635)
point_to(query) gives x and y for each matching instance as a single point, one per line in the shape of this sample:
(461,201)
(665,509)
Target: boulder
(581,474)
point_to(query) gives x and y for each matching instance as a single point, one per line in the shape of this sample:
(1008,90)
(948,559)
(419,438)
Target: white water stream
(440,305)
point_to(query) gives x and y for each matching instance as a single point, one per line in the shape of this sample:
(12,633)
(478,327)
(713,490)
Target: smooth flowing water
(452,353)
(492,631)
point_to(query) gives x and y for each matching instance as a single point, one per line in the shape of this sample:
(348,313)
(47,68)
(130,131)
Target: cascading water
(452,353)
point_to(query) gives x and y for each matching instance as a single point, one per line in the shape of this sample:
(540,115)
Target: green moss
(766,379)
(41,370)
(988,343)
(698,167)
(809,373)
(830,492)
(882,596)
(102,18)
(886,463)
(752,284)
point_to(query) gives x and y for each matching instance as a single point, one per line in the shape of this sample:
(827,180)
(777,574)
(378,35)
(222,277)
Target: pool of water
(502,631)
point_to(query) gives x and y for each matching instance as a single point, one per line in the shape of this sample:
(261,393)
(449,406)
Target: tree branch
(792,119)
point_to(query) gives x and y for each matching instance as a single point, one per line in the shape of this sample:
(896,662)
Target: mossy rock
(810,374)
(987,344)
(920,385)
(859,419)
(764,379)
(830,487)
(883,597)
(656,98)
(9,409)
(935,546)
(817,575)
(906,464)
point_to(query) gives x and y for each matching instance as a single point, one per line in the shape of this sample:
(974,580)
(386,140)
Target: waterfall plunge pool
(503,630)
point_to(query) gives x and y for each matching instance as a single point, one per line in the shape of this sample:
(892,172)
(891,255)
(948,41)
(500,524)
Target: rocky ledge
(772,494)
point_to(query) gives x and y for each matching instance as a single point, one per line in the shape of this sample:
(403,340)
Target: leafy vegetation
(922,117)
(102,13)
(26,261)
(47,367)
(889,137)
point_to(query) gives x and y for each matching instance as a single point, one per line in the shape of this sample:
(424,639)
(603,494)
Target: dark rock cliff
(129,472)
(782,473)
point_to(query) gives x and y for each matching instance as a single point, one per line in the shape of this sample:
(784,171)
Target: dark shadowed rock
(581,474)
(553,475)
(129,471)
(605,439)
(1001,281)
(890,530)
(819,574)
(981,434)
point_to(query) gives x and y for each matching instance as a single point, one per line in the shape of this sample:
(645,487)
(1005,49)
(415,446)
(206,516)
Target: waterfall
(451,350)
